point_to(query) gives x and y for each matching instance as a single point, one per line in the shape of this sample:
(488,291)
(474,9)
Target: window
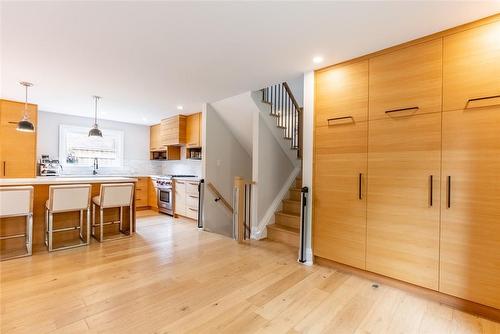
(76,148)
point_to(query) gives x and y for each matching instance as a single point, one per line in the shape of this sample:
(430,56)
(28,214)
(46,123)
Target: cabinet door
(154,138)
(470,221)
(173,131)
(180,198)
(193,130)
(407,81)
(17,149)
(403,203)
(152,194)
(342,91)
(471,68)
(339,205)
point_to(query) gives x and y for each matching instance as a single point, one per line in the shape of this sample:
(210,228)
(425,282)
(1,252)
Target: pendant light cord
(95,117)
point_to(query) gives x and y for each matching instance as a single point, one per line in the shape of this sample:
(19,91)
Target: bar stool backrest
(16,201)
(71,197)
(116,194)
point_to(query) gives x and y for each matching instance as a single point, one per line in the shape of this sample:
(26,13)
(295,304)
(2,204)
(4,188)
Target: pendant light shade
(95,132)
(25,125)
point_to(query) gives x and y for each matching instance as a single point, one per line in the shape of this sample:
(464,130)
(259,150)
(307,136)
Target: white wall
(224,159)
(307,154)
(136,145)
(297,87)
(273,172)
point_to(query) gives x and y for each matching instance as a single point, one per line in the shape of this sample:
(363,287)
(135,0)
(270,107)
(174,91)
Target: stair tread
(284,228)
(288,214)
(291,200)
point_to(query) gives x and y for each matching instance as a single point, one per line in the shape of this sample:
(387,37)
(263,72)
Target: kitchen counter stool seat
(18,202)
(113,195)
(67,198)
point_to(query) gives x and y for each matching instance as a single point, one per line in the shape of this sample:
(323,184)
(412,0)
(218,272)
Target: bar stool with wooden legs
(18,202)
(113,195)
(67,198)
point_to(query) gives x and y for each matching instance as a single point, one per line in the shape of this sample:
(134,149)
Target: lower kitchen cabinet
(152,194)
(141,192)
(470,210)
(186,198)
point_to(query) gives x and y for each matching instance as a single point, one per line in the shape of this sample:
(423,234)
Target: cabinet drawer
(192,201)
(407,81)
(192,213)
(192,188)
(141,201)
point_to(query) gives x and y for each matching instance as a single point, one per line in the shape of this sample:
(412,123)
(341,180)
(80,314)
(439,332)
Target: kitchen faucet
(96,166)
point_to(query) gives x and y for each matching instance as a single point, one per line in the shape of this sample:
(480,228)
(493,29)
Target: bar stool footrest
(13,236)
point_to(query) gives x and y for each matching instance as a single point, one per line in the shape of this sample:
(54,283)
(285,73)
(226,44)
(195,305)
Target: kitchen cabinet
(193,130)
(407,81)
(152,194)
(157,150)
(342,94)
(471,68)
(173,131)
(154,138)
(186,198)
(141,192)
(17,149)
(404,162)
(339,230)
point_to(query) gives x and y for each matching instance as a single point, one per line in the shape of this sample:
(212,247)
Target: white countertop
(64,180)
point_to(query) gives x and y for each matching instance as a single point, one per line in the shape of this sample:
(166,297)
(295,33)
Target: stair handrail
(219,197)
(289,114)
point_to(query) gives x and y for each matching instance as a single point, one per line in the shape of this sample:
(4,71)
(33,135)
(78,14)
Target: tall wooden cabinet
(404,163)
(470,214)
(428,153)
(340,166)
(17,149)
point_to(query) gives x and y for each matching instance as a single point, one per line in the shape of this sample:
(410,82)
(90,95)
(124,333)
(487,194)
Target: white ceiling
(145,58)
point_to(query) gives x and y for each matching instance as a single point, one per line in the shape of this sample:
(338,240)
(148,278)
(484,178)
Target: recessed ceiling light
(317,59)
(180,107)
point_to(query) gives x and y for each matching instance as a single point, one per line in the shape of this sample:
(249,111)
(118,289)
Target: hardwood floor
(173,278)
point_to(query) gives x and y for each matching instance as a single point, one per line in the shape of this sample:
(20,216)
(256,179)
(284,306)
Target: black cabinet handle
(402,109)
(4,167)
(483,98)
(339,119)
(431,177)
(360,190)
(448,199)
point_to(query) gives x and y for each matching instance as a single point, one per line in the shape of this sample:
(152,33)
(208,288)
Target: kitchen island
(15,225)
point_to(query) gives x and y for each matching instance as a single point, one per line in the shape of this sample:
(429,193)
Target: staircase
(286,227)
(288,114)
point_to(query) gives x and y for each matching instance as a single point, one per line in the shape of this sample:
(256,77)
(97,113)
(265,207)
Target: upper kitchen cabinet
(342,94)
(471,68)
(159,151)
(193,130)
(407,81)
(17,149)
(154,139)
(173,130)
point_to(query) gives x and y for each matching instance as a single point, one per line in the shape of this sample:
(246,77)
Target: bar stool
(67,198)
(113,195)
(18,202)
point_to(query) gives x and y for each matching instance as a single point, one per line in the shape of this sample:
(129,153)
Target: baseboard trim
(455,302)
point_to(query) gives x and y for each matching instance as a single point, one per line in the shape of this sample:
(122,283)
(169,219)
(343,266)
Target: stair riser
(291,207)
(287,238)
(294,195)
(287,221)
(298,183)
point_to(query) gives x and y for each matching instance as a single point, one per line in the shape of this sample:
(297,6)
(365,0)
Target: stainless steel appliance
(49,167)
(165,195)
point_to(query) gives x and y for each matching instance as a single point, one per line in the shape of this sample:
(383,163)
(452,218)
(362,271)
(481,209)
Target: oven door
(165,202)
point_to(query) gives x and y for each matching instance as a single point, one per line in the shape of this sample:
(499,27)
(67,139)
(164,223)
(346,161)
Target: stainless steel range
(164,188)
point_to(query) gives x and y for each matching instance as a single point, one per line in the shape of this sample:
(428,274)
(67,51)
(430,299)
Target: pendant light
(25,125)
(95,132)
